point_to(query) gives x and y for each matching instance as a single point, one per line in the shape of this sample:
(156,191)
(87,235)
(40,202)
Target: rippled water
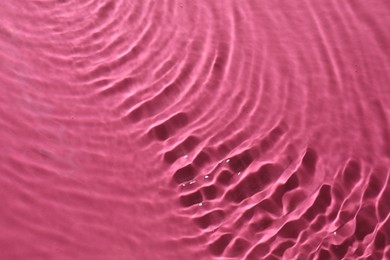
(194,129)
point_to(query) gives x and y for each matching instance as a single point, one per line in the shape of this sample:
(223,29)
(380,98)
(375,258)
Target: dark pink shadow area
(153,130)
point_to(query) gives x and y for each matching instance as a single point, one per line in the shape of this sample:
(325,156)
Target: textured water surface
(194,129)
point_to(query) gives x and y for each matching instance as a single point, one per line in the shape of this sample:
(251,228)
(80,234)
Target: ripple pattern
(194,130)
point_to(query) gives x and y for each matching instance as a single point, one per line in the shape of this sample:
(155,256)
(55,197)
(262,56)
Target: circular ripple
(222,130)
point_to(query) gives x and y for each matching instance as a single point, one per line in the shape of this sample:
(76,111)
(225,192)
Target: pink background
(194,129)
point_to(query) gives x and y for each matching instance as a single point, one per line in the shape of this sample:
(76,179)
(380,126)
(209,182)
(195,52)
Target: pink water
(194,129)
